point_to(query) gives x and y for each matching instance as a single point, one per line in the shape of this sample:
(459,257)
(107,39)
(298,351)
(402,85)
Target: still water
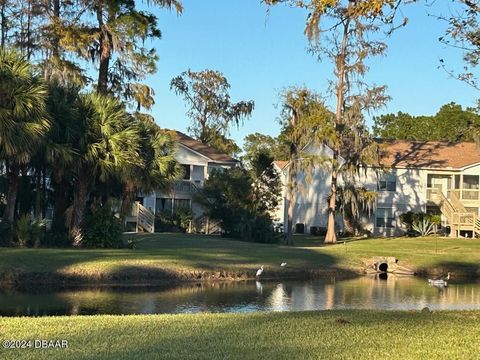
(369,292)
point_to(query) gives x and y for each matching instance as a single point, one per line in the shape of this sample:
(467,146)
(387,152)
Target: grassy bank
(303,335)
(161,257)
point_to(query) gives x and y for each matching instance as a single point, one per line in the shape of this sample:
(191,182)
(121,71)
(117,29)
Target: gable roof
(280,164)
(202,149)
(429,154)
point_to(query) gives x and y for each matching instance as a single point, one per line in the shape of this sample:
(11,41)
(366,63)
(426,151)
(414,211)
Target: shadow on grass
(162,258)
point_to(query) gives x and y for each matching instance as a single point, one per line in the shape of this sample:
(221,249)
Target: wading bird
(259,271)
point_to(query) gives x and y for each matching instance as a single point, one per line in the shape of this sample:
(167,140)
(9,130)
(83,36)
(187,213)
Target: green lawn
(179,256)
(296,335)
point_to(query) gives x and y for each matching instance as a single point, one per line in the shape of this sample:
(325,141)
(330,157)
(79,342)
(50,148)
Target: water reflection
(373,292)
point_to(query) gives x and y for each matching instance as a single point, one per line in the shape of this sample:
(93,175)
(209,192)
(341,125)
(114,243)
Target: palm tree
(110,143)
(23,120)
(158,168)
(59,152)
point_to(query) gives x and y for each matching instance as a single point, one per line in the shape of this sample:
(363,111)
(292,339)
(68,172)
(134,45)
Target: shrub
(179,221)
(30,231)
(420,223)
(103,229)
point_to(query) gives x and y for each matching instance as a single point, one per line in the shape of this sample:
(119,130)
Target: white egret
(283,264)
(259,271)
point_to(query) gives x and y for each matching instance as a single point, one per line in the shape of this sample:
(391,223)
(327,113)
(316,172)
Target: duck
(439,282)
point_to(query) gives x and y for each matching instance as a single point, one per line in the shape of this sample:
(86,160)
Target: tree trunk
(105,45)
(127,200)
(44,194)
(291,205)
(340,64)
(12,178)
(3,23)
(60,207)
(38,196)
(331,236)
(80,198)
(292,181)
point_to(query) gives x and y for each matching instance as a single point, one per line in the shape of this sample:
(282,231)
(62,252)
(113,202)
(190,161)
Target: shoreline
(33,280)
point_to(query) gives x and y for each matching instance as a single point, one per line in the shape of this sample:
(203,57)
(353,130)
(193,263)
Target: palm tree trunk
(12,178)
(80,197)
(60,207)
(38,196)
(127,201)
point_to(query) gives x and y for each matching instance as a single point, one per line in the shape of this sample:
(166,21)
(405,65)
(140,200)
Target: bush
(179,221)
(420,223)
(103,229)
(30,231)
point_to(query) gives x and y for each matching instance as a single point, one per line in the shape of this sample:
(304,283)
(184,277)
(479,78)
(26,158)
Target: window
(186,172)
(470,182)
(198,172)
(163,204)
(385,218)
(457,181)
(182,203)
(387,185)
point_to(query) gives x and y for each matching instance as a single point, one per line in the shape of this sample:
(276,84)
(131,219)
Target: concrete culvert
(382,267)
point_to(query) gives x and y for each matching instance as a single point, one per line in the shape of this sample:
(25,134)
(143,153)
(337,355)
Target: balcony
(187,186)
(468,195)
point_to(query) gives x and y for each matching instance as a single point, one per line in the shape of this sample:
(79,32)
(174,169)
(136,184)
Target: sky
(261,52)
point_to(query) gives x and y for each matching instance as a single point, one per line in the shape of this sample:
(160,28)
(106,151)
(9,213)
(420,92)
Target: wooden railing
(145,219)
(454,211)
(456,202)
(186,186)
(467,194)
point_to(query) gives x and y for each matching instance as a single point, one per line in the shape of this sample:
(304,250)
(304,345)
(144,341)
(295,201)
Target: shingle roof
(203,149)
(429,154)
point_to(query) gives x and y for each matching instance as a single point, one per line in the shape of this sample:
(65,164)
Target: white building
(198,161)
(433,177)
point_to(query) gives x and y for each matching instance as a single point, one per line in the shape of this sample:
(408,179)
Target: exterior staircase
(142,217)
(457,217)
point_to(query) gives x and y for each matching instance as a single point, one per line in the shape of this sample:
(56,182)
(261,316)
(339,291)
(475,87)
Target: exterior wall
(311,208)
(200,168)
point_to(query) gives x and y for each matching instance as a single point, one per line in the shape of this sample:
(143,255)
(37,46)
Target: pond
(368,292)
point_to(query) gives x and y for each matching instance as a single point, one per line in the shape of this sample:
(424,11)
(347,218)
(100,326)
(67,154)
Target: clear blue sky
(261,53)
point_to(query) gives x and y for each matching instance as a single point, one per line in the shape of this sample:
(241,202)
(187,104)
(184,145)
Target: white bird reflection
(259,287)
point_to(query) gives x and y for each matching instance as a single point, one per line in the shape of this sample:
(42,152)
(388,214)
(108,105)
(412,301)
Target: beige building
(433,177)
(198,161)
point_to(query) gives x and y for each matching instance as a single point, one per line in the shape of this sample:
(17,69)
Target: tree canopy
(451,123)
(210,108)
